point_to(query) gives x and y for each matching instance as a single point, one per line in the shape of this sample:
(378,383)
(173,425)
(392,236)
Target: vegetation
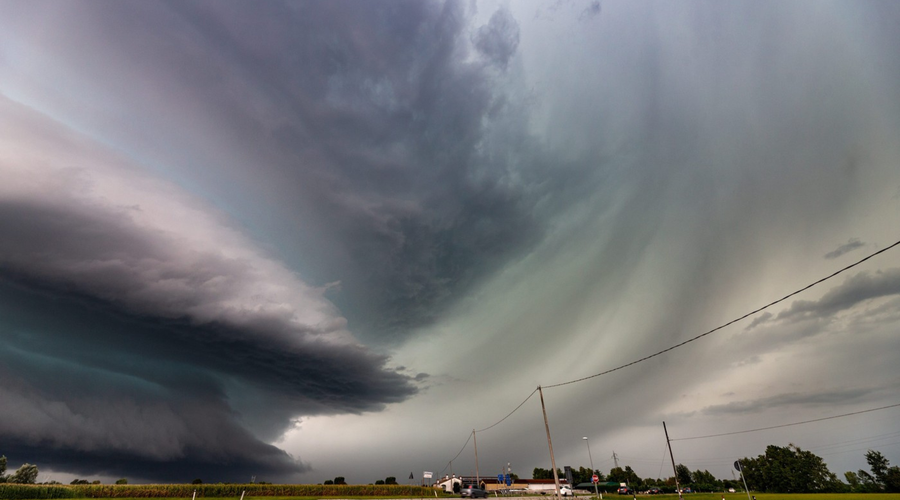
(14,492)
(26,474)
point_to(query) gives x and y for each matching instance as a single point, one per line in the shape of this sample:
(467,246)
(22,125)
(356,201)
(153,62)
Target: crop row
(24,491)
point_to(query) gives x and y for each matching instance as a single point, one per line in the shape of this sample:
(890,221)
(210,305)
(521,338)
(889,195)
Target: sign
(595,478)
(508,480)
(737,465)
(427,475)
(411,476)
(500,478)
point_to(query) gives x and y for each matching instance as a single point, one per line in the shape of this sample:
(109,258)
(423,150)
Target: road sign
(427,475)
(595,478)
(737,465)
(500,478)
(508,480)
(411,476)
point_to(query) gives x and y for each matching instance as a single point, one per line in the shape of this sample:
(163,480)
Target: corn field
(30,491)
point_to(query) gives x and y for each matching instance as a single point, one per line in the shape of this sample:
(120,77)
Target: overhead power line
(458,454)
(745,316)
(787,425)
(509,414)
(658,353)
(489,427)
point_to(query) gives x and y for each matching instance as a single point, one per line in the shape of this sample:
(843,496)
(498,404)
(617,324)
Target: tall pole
(669,444)
(477,478)
(591,458)
(550,444)
(741,469)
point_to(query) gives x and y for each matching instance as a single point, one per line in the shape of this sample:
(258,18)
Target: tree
(789,470)
(2,468)
(379,482)
(683,474)
(197,481)
(705,481)
(122,481)
(883,477)
(26,474)
(329,481)
(390,480)
(626,475)
(539,473)
(339,480)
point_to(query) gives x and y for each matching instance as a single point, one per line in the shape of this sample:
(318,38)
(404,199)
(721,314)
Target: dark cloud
(828,399)
(851,245)
(80,376)
(368,125)
(858,288)
(152,339)
(499,39)
(590,11)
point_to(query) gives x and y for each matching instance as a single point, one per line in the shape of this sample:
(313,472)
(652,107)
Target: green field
(345,492)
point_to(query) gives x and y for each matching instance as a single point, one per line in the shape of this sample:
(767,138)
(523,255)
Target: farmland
(311,492)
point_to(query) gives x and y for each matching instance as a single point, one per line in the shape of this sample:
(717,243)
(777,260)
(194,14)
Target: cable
(760,309)
(457,455)
(787,425)
(489,427)
(510,413)
(645,358)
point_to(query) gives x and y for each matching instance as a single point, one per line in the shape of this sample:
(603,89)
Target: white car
(566,491)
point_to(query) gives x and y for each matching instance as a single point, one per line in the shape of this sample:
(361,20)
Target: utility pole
(615,459)
(593,472)
(550,444)
(669,444)
(477,478)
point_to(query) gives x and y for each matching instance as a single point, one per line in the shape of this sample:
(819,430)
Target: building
(490,483)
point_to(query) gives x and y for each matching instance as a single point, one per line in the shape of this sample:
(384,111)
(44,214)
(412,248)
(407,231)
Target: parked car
(654,491)
(472,491)
(565,491)
(624,490)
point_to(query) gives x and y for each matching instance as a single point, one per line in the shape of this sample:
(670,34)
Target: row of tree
(785,469)
(26,474)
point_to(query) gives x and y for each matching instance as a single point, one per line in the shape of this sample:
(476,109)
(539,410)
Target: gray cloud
(854,290)
(573,194)
(498,40)
(780,401)
(851,245)
(155,332)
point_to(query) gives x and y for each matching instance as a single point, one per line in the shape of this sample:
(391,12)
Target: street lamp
(588,442)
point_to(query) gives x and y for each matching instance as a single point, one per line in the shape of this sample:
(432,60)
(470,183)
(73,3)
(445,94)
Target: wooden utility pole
(669,444)
(477,478)
(550,444)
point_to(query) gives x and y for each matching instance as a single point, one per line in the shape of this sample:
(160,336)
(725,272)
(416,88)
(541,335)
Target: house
(490,483)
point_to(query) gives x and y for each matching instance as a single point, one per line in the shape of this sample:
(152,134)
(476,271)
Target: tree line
(787,469)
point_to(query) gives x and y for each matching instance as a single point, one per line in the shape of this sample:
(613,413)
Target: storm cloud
(103,266)
(271,238)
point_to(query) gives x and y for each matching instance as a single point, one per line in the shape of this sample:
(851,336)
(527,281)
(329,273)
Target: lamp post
(588,442)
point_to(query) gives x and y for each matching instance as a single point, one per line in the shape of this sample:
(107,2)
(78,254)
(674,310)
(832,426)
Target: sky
(308,239)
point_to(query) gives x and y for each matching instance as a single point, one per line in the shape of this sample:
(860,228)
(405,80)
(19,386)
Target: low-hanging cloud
(813,399)
(498,40)
(856,289)
(129,266)
(851,245)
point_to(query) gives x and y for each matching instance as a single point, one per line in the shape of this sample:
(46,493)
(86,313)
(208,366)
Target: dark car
(472,491)
(654,491)
(626,491)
